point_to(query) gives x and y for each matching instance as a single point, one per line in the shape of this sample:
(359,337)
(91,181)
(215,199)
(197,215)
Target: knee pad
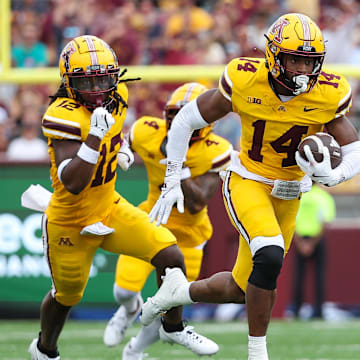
(122,295)
(267,263)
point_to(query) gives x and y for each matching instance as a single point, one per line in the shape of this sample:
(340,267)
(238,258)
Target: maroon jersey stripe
(61,127)
(344,105)
(225,85)
(220,162)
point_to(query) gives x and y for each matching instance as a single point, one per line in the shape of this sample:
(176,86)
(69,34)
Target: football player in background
(208,154)
(280,100)
(83,125)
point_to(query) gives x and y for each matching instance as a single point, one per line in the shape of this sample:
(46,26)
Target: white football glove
(100,122)
(125,156)
(321,172)
(171,193)
(185,171)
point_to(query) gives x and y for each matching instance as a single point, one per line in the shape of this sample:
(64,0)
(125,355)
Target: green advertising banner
(24,273)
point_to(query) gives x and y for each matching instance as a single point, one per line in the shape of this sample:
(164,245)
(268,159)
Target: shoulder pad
(65,119)
(238,71)
(209,154)
(221,155)
(336,89)
(145,128)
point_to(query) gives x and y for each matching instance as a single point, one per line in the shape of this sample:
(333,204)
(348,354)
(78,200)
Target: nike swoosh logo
(309,109)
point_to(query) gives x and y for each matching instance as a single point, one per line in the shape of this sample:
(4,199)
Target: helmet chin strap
(301,84)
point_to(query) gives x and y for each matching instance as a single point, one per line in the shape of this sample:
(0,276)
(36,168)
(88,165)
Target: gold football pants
(256,215)
(70,254)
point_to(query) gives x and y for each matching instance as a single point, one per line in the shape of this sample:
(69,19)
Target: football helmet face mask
(296,35)
(180,97)
(89,71)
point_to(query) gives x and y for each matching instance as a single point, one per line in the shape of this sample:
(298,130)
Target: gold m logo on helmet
(277,29)
(65,241)
(66,53)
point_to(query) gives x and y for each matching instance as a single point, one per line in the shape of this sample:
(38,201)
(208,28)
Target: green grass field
(287,340)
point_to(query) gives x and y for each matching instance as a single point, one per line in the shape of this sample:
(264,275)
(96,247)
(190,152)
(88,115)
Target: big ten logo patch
(253,100)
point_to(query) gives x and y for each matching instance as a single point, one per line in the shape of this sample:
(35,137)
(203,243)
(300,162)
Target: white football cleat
(174,291)
(116,327)
(131,354)
(36,354)
(198,344)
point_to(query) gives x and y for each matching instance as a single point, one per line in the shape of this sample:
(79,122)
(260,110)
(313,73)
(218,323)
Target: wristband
(88,154)
(61,168)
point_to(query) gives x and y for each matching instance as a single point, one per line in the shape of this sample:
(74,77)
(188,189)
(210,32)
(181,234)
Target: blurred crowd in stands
(147,32)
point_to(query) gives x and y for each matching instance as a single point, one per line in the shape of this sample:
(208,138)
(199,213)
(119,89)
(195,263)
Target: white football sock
(131,305)
(257,348)
(147,336)
(126,298)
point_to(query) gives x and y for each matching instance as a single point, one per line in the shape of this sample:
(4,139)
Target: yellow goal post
(149,73)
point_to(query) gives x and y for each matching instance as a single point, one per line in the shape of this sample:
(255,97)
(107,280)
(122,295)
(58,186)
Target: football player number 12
(109,174)
(292,138)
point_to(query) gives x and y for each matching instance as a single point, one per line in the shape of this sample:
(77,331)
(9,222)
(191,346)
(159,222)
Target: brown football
(317,142)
